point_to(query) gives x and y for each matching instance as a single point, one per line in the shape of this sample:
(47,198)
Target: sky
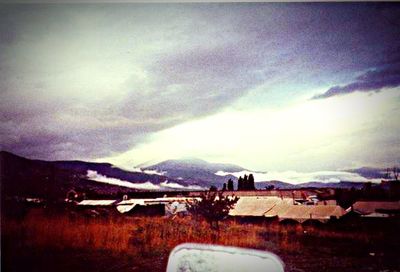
(268,86)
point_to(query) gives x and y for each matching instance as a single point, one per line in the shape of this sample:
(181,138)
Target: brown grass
(148,238)
(149,234)
(131,235)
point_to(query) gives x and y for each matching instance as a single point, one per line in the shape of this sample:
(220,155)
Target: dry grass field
(62,242)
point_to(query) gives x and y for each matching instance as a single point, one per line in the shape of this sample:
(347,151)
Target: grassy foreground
(61,242)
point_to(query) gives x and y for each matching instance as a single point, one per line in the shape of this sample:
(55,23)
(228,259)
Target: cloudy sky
(268,86)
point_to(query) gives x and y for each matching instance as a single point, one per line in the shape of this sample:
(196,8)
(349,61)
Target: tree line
(244,184)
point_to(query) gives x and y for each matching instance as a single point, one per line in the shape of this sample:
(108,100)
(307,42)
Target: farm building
(95,208)
(284,209)
(154,206)
(256,206)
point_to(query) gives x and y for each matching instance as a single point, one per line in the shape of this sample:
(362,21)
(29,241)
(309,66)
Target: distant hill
(196,171)
(109,170)
(52,179)
(276,183)
(38,178)
(313,184)
(341,184)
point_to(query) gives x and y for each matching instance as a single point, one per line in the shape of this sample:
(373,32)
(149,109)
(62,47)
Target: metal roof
(96,202)
(161,200)
(283,208)
(131,202)
(302,213)
(256,206)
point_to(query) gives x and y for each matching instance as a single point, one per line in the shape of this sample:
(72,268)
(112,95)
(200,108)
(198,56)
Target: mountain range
(37,178)
(196,171)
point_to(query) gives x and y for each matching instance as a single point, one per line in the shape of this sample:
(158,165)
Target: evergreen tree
(224,187)
(240,184)
(230,185)
(245,184)
(251,182)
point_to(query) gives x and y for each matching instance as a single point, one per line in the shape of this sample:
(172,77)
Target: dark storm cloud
(88,81)
(387,77)
(73,133)
(197,82)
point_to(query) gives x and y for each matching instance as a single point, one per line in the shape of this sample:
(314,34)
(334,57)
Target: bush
(213,207)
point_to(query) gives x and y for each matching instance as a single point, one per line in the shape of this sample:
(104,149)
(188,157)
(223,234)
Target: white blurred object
(211,258)
(175,208)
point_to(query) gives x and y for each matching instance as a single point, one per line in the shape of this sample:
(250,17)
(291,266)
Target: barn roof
(369,207)
(256,206)
(283,208)
(302,213)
